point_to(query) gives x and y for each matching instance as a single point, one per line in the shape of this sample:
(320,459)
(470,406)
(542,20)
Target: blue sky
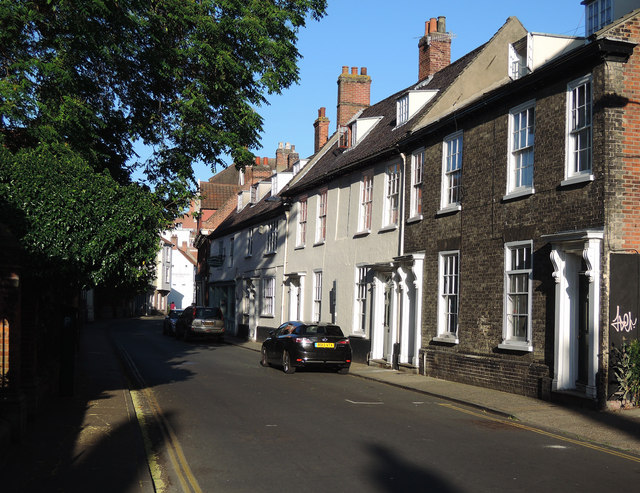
(383,36)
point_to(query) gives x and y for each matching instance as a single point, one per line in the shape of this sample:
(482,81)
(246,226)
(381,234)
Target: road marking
(592,446)
(145,399)
(362,403)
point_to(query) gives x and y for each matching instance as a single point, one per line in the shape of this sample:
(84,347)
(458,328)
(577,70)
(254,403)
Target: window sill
(267,315)
(516,346)
(248,256)
(450,209)
(269,254)
(318,243)
(299,247)
(391,227)
(516,194)
(414,219)
(446,338)
(573,180)
(365,232)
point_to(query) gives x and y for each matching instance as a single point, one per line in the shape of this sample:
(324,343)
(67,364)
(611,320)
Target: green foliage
(627,372)
(76,226)
(184,77)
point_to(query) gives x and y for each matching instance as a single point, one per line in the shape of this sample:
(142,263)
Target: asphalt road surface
(218,422)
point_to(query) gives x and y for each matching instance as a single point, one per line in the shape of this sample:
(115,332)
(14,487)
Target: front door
(386,321)
(576,261)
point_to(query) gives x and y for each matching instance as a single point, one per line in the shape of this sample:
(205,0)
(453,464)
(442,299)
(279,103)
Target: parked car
(169,325)
(200,321)
(299,344)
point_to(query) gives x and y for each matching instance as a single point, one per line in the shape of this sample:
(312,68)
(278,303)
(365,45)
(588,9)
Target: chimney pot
(363,71)
(345,69)
(442,27)
(433,25)
(257,160)
(354,70)
(321,112)
(265,161)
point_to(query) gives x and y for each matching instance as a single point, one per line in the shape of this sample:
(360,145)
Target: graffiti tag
(623,323)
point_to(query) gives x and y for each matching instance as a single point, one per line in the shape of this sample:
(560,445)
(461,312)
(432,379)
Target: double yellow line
(148,411)
(592,446)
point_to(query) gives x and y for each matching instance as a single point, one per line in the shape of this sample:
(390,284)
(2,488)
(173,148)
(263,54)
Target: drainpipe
(284,263)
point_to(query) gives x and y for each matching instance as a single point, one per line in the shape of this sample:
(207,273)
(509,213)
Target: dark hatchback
(169,325)
(299,344)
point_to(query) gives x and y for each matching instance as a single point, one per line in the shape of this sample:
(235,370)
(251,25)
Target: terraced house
(481,225)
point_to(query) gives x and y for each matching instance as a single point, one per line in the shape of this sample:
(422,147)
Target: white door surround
(573,255)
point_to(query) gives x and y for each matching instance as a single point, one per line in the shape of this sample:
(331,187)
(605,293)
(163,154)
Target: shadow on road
(90,441)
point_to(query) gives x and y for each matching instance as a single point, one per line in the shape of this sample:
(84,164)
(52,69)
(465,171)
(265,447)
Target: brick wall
(480,230)
(353,93)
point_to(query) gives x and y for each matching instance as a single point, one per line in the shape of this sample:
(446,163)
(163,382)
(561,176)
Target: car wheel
(286,363)
(343,371)
(263,357)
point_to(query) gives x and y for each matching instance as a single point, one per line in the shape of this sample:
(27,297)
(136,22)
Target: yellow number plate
(325,344)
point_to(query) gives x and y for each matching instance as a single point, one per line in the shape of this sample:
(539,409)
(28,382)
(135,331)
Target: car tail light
(344,342)
(302,340)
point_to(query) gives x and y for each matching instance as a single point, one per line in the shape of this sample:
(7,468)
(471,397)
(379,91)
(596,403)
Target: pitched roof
(267,207)
(215,195)
(384,136)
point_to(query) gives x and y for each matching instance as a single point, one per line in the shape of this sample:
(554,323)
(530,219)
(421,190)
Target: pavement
(92,440)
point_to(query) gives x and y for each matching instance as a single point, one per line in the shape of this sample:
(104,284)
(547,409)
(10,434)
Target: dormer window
(345,136)
(410,103)
(521,57)
(599,13)
(254,194)
(402,110)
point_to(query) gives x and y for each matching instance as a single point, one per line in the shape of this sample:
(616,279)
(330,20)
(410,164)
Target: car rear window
(330,330)
(209,313)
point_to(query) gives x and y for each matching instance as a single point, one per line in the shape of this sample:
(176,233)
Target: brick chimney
(321,130)
(353,93)
(282,155)
(434,48)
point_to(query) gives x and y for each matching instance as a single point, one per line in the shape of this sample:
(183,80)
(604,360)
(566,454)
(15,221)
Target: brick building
(530,219)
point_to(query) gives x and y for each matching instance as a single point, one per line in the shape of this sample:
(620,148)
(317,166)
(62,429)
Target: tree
(185,77)
(81,81)
(78,228)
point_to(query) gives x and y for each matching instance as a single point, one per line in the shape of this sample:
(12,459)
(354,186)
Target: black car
(200,321)
(300,344)
(169,326)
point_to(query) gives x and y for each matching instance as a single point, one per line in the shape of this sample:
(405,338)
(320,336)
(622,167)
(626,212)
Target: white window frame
(302,222)
(448,293)
(452,152)
(577,132)
(268,296)
(402,110)
(366,202)
(360,305)
(518,269)
(392,195)
(598,14)
(249,242)
(317,296)
(417,170)
(272,237)
(520,168)
(321,226)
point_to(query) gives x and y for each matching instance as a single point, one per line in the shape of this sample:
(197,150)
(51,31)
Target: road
(221,422)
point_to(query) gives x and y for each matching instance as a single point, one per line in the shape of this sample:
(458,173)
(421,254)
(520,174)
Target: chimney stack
(354,93)
(321,130)
(434,48)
